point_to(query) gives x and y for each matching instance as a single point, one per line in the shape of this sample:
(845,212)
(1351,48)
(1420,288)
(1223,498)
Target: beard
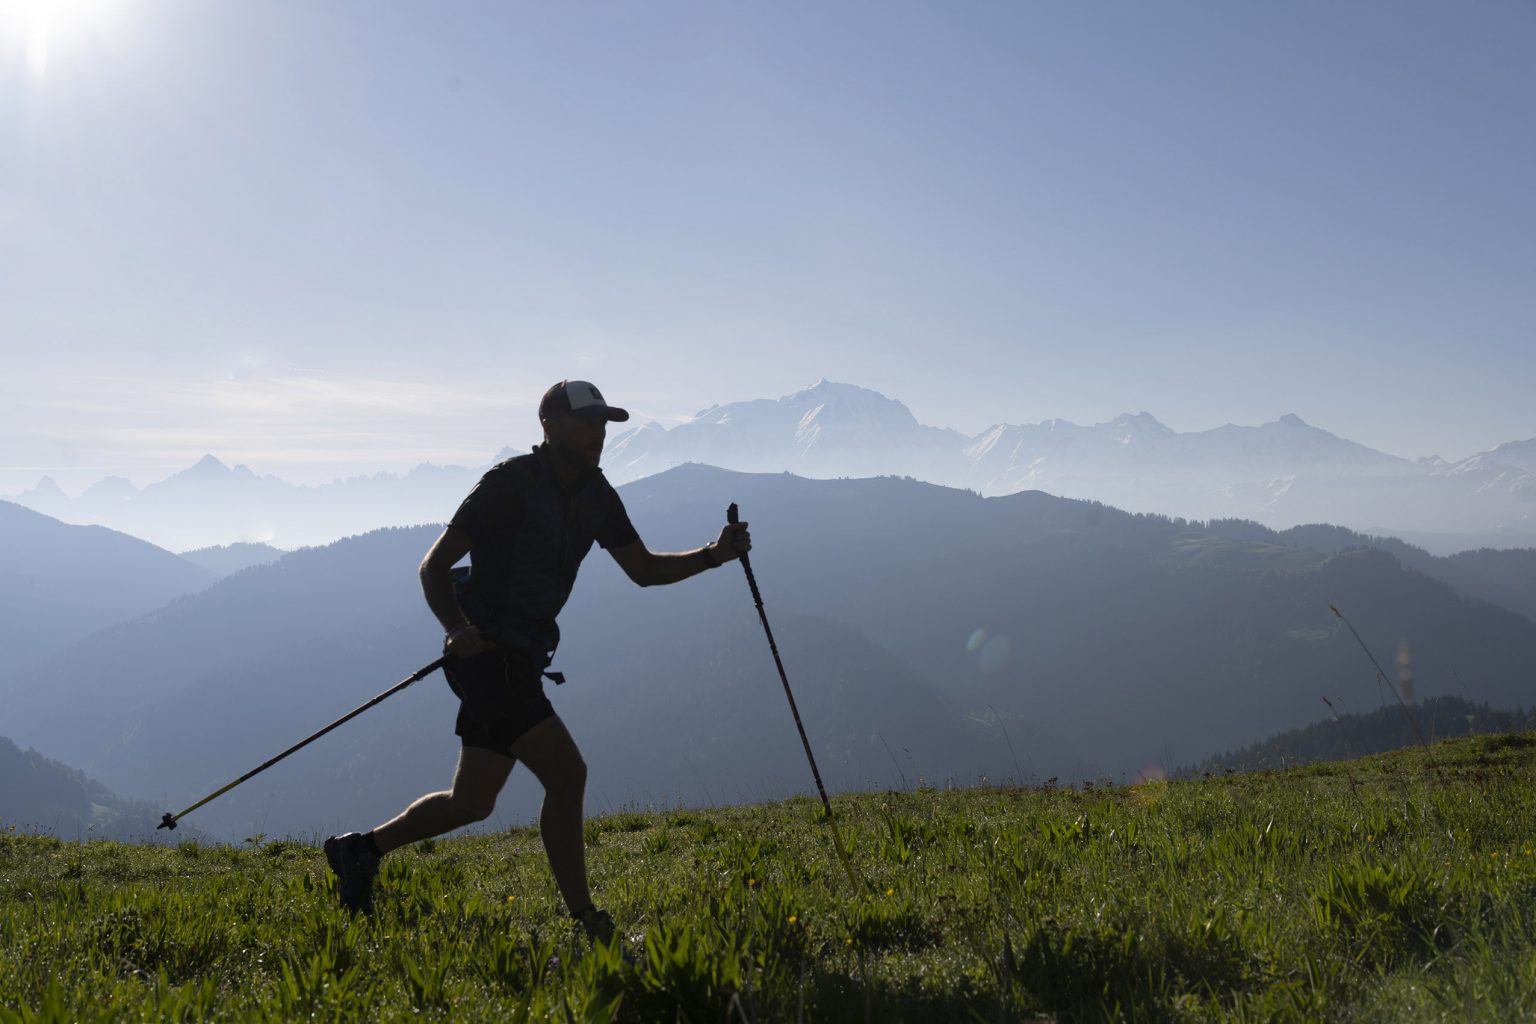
(576,456)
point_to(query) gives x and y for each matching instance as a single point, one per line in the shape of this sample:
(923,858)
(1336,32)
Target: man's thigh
(550,752)
(481,773)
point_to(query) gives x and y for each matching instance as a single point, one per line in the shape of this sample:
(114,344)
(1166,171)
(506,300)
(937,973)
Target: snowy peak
(827,428)
(1521,454)
(849,397)
(1143,420)
(1141,427)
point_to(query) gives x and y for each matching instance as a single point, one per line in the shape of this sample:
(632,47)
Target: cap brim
(602,412)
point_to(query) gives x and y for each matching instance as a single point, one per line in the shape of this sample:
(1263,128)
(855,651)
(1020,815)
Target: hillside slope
(38,795)
(59,583)
(927,633)
(1379,889)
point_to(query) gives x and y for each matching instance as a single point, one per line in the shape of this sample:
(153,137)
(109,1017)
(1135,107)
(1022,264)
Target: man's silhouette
(526,527)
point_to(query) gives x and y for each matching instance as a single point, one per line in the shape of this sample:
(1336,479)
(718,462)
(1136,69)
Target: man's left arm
(653,568)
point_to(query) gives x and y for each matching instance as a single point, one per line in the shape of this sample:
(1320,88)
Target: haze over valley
(1281,473)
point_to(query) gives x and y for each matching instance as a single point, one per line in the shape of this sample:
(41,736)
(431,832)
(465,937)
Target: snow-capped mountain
(1282,473)
(826,429)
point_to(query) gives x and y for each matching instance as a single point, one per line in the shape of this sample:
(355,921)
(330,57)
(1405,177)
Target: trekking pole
(732,517)
(169,820)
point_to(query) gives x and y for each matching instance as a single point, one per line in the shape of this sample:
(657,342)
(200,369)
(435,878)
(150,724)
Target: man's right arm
(463,638)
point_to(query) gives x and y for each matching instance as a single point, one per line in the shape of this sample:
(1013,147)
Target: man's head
(575,419)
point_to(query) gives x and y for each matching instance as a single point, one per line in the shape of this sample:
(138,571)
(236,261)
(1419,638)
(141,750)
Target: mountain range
(931,634)
(1281,473)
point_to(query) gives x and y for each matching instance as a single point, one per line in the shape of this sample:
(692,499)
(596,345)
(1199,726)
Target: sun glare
(43,27)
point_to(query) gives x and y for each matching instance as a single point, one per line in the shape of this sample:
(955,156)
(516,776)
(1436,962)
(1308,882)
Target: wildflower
(511,898)
(890,892)
(792,918)
(751,882)
(847,942)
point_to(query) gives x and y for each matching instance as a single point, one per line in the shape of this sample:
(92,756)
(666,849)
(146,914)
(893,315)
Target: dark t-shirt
(527,537)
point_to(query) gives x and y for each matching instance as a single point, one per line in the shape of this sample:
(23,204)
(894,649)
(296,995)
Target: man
(526,526)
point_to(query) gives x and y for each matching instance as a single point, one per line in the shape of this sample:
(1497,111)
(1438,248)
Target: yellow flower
(848,942)
(792,919)
(511,898)
(890,892)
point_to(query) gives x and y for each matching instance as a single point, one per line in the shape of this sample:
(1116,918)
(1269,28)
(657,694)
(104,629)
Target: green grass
(1384,889)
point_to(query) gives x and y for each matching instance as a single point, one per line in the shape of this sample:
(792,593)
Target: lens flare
(1405,672)
(995,653)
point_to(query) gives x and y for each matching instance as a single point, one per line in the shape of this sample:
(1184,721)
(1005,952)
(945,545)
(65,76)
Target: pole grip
(731,515)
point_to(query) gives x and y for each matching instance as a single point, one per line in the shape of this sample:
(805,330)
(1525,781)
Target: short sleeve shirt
(528,536)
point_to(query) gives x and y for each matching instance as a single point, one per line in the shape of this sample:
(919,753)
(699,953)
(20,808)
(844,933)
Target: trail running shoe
(596,923)
(355,866)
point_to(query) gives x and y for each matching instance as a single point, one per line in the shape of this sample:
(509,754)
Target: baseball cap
(578,398)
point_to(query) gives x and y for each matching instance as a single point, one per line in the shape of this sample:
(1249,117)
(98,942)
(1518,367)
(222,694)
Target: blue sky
(342,237)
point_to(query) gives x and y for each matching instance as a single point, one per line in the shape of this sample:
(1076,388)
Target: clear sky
(338,237)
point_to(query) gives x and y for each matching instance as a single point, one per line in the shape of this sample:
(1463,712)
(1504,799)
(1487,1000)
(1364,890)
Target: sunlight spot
(43,26)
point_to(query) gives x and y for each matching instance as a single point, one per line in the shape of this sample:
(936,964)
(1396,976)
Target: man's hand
(734,542)
(465,642)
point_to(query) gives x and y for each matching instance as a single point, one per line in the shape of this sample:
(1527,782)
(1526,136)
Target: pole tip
(169,821)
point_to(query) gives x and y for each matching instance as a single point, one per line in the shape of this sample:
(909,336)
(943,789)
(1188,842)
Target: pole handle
(731,515)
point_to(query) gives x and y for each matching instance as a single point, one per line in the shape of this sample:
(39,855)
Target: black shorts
(501,696)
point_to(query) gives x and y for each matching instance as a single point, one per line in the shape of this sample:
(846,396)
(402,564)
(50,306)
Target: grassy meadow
(1400,887)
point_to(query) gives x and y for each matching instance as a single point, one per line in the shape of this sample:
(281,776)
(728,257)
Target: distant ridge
(1282,473)
(227,559)
(1347,736)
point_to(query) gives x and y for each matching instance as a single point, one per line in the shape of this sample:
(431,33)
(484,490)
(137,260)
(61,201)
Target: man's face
(577,438)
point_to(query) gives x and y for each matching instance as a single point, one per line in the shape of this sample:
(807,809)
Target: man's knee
(473,807)
(569,774)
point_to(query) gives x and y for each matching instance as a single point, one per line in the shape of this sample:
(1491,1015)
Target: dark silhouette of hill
(1506,577)
(927,631)
(1341,737)
(59,583)
(42,796)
